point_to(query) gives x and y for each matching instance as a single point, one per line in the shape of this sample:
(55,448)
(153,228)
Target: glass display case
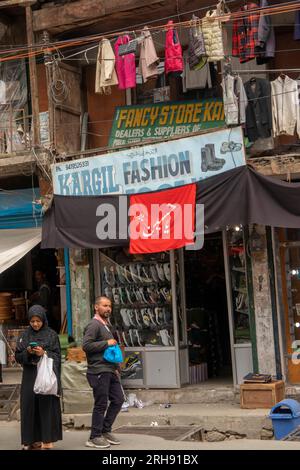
(141,289)
(237,263)
(238,301)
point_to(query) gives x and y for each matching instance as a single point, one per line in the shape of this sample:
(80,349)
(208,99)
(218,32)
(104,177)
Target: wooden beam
(16,3)
(80,13)
(33,80)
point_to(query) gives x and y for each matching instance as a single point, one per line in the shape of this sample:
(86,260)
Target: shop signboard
(138,123)
(152,167)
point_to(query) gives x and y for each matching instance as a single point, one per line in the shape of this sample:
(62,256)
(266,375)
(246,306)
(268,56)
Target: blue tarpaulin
(18,209)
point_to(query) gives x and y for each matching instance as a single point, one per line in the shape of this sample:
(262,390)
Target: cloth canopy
(239,196)
(15,243)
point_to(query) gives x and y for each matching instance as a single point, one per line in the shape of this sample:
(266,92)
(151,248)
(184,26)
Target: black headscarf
(43,336)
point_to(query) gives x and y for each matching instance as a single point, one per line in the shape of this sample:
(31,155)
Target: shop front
(182,316)
(27,274)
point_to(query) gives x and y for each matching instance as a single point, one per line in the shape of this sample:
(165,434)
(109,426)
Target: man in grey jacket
(102,376)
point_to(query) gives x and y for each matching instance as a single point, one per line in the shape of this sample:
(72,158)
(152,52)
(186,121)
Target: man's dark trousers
(106,386)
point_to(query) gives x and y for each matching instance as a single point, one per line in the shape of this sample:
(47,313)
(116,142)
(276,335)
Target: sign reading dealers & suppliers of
(152,167)
(133,124)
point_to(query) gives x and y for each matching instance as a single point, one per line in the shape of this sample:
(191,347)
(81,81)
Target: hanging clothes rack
(260,71)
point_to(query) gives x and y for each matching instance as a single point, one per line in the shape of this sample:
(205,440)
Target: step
(214,420)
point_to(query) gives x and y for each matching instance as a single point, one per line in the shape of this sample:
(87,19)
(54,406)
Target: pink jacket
(173,51)
(125,65)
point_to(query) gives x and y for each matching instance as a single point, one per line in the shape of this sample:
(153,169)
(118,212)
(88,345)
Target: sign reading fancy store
(134,124)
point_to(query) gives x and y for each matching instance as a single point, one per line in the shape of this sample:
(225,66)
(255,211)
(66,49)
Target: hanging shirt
(148,56)
(105,68)
(245,34)
(195,79)
(285,106)
(235,100)
(125,65)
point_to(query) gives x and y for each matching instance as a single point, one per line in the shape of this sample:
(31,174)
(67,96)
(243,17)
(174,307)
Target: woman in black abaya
(40,414)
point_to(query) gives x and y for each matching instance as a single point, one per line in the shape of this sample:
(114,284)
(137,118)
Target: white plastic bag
(46,381)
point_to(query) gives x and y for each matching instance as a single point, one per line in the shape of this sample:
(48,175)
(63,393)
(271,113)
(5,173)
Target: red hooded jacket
(173,51)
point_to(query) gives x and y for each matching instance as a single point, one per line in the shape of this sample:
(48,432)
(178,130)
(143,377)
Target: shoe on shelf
(158,315)
(131,317)
(165,337)
(116,295)
(145,274)
(137,318)
(131,335)
(153,273)
(120,275)
(127,274)
(134,272)
(167,271)
(98,443)
(145,317)
(125,339)
(109,276)
(138,339)
(125,317)
(111,438)
(108,291)
(160,272)
(123,295)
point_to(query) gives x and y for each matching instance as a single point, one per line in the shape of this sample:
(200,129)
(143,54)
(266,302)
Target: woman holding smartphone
(40,414)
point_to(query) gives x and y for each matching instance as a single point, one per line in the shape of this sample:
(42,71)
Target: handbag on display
(129,48)
(113,354)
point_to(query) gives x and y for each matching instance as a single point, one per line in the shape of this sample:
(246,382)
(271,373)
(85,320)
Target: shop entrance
(207,313)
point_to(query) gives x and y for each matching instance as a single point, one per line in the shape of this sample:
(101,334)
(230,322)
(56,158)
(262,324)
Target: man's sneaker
(111,438)
(167,271)
(153,273)
(98,442)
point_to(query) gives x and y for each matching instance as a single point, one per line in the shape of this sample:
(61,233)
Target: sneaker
(125,318)
(153,273)
(111,438)
(131,335)
(116,295)
(160,272)
(98,442)
(127,275)
(120,275)
(167,271)
(134,273)
(125,339)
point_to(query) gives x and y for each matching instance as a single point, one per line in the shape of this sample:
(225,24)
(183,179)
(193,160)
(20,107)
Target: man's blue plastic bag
(113,354)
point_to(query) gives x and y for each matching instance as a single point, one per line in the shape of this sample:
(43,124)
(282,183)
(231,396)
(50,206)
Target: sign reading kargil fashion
(152,167)
(134,124)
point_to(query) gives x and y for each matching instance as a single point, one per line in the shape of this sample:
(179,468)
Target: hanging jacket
(173,51)
(235,100)
(125,65)
(213,34)
(285,106)
(105,68)
(196,50)
(245,34)
(148,56)
(259,109)
(265,48)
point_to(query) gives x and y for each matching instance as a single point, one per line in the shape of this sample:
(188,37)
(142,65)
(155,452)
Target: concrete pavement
(74,440)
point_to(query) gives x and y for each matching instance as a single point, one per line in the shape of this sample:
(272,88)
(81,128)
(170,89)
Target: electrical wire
(51,47)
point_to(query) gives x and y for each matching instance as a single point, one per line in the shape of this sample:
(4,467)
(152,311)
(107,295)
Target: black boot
(214,162)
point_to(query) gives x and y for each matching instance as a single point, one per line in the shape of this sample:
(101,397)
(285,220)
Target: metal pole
(33,80)
(229,306)
(68,291)
(174,310)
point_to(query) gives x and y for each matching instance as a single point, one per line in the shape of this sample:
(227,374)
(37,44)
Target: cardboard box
(262,395)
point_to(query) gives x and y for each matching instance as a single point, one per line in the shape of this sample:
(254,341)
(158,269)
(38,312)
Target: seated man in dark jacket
(102,376)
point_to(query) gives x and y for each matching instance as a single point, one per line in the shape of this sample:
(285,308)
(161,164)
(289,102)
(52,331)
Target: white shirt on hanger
(285,106)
